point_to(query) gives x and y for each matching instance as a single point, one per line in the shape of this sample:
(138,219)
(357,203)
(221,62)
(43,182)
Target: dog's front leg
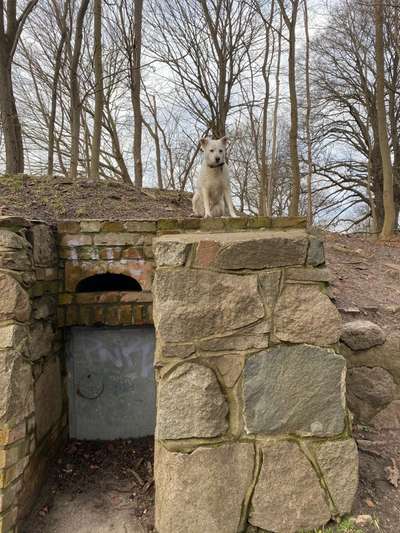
(228,201)
(206,202)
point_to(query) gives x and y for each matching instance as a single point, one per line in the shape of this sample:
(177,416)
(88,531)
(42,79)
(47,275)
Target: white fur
(213,193)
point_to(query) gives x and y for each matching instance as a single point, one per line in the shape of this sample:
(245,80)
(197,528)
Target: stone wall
(252,431)
(91,247)
(373,380)
(31,401)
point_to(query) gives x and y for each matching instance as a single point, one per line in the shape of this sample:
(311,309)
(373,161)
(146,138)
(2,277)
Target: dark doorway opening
(108,282)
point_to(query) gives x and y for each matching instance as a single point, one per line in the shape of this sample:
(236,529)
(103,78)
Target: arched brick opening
(108,282)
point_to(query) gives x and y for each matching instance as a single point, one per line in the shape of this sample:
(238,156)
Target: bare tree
(290,21)
(308,116)
(75,92)
(388,200)
(11,27)
(99,91)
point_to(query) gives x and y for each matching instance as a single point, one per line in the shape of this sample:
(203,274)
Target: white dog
(213,188)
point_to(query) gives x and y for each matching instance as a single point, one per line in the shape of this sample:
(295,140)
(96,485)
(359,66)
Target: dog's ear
(203,143)
(225,140)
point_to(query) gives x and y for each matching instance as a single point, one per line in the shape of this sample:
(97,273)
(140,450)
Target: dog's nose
(217,159)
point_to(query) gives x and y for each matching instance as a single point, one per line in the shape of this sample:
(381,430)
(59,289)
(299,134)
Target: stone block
(16,400)
(316,254)
(8,435)
(248,338)
(12,335)
(110,253)
(68,226)
(74,241)
(193,304)
(303,314)
(259,222)
(385,356)
(118,239)
(212,224)
(269,283)
(14,453)
(260,250)
(206,252)
(288,496)
(41,340)
(202,491)
(48,399)
(190,404)
(362,335)
(141,226)
(44,245)
(230,369)
(368,391)
(338,461)
(8,496)
(113,226)
(8,475)
(18,260)
(315,275)
(9,239)
(388,418)
(295,390)
(288,222)
(15,302)
(8,519)
(90,226)
(175,350)
(171,254)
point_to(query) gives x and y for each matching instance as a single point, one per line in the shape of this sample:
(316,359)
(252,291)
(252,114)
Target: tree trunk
(75,96)
(271,180)
(99,95)
(388,200)
(294,155)
(137,112)
(9,119)
(308,117)
(9,38)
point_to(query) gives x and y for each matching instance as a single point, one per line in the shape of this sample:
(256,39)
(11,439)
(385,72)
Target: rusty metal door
(111,383)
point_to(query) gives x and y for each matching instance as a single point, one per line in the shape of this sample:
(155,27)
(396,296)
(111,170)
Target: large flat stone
(338,461)
(303,314)
(190,404)
(288,496)
(190,304)
(202,491)
(368,391)
(255,252)
(15,302)
(295,389)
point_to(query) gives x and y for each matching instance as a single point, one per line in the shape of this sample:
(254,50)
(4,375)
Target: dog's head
(214,151)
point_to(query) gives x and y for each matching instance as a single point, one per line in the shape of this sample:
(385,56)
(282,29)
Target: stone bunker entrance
(250,387)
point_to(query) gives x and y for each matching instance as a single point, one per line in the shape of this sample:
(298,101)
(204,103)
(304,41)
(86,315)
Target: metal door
(111,382)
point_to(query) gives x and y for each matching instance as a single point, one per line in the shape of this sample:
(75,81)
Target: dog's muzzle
(217,165)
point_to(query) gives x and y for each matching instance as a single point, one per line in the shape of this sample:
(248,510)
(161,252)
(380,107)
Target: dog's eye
(211,151)
(220,151)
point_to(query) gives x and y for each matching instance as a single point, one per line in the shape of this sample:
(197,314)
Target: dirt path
(97,487)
